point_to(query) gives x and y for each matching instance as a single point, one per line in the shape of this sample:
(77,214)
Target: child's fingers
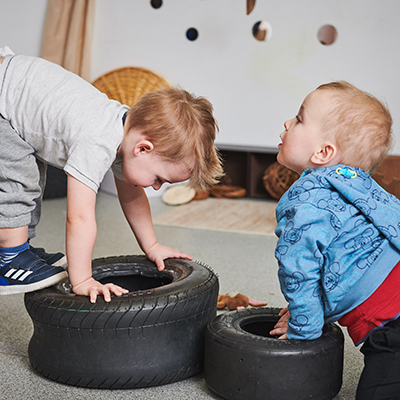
(178,254)
(282,323)
(93,288)
(107,295)
(283,336)
(277,331)
(93,296)
(186,256)
(172,253)
(99,290)
(281,326)
(160,265)
(283,311)
(117,290)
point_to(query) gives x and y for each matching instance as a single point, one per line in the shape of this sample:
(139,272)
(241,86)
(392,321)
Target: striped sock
(7,254)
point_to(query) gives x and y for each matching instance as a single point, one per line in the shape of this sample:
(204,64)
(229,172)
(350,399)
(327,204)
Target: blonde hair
(182,128)
(361,125)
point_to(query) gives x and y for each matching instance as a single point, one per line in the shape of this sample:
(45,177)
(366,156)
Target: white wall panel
(21,25)
(255,86)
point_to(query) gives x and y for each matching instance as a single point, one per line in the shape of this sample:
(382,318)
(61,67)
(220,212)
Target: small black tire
(151,336)
(243,362)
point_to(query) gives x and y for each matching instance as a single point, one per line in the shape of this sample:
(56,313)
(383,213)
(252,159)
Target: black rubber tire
(151,336)
(243,362)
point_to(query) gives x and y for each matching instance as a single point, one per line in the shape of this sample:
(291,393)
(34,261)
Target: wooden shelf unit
(246,165)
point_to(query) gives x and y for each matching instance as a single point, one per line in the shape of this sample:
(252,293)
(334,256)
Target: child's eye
(298,119)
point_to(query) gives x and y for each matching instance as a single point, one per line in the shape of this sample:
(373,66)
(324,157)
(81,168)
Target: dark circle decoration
(156,3)
(192,34)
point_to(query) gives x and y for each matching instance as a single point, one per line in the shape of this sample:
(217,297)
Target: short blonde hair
(182,128)
(361,124)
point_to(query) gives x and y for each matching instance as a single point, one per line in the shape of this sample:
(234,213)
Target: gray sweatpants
(22,181)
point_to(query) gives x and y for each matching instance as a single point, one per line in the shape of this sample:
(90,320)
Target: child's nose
(287,124)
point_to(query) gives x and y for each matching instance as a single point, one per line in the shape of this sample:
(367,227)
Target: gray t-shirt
(68,122)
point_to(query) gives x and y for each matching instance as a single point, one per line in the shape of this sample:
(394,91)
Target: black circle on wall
(192,34)
(156,3)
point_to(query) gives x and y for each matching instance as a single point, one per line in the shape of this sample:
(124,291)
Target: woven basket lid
(277,180)
(128,84)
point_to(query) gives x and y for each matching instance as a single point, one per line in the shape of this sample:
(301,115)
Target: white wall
(255,86)
(21,25)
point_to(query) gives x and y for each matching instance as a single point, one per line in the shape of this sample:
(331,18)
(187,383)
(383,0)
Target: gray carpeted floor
(243,262)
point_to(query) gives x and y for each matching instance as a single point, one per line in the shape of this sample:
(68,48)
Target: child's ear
(143,146)
(324,155)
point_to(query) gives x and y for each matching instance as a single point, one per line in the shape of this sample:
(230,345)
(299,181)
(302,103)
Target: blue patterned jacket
(339,238)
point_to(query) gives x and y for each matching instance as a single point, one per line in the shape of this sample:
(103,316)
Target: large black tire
(243,362)
(151,336)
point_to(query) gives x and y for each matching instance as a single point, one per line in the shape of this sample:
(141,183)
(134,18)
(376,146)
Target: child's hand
(158,253)
(90,287)
(281,326)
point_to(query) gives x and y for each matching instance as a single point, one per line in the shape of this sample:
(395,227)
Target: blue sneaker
(27,272)
(56,259)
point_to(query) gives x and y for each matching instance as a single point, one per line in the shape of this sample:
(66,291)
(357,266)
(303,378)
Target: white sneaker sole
(62,262)
(16,289)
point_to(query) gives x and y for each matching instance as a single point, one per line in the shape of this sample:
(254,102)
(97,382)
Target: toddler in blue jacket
(339,232)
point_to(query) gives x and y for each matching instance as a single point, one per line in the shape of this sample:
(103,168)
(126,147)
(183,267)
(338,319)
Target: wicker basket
(277,180)
(128,84)
(228,192)
(388,175)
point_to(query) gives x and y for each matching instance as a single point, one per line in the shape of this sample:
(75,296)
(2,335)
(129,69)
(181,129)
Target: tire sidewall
(240,365)
(144,338)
